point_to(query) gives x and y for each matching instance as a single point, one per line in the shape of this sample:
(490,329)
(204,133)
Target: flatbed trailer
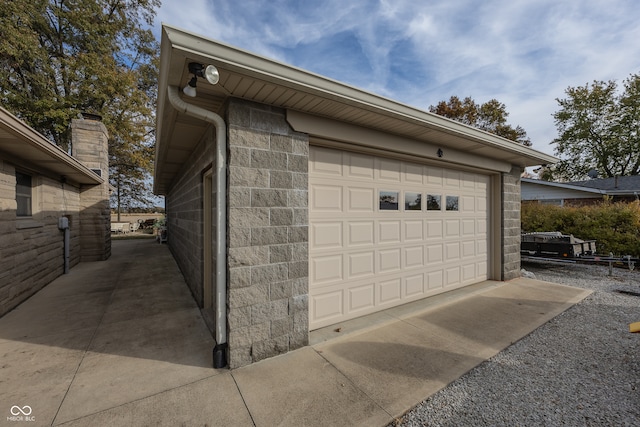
(554,247)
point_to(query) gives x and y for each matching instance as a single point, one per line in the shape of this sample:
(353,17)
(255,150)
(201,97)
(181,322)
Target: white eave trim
(296,78)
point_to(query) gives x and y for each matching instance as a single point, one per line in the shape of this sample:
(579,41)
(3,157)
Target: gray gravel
(580,369)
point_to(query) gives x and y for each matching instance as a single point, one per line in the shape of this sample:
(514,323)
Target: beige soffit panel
(343,132)
(19,140)
(255,78)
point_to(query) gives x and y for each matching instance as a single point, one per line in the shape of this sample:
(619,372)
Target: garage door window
(388,200)
(412,201)
(452,203)
(433,202)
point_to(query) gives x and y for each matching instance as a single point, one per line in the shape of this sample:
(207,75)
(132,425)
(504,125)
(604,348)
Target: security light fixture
(199,70)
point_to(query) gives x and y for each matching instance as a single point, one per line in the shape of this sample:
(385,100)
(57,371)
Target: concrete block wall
(90,146)
(267,234)
(32,249)
(185,214)
(511,224)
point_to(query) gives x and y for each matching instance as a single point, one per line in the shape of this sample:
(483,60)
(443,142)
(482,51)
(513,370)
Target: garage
(385,231)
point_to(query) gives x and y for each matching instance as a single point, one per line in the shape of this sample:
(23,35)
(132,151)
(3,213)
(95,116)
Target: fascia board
(36,141)
(296,78)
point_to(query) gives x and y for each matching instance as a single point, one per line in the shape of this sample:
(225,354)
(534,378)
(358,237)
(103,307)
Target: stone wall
(32,249)
(267,234)
(185,216)
(511,224)
(90,146)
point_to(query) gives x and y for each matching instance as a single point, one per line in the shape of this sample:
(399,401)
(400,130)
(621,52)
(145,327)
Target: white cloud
(523,53)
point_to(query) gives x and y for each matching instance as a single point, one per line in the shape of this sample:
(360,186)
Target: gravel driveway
(580,369)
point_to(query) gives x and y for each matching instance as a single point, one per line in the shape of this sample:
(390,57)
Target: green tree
(598,128)
(490,117)
(60,58)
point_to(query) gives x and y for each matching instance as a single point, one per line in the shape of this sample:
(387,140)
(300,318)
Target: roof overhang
(22,143)
(252,77)
(562,185)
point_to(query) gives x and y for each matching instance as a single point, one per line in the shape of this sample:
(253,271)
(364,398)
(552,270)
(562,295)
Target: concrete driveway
(122,342)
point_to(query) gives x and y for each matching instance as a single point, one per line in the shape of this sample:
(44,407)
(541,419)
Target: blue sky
(524,53)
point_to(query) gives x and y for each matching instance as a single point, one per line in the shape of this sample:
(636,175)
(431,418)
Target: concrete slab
(213,401)
(38,372)
(397,365)
(122,342)
(422,353)
(301,388)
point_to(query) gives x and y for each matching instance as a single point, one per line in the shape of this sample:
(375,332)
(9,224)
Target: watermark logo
(21,413)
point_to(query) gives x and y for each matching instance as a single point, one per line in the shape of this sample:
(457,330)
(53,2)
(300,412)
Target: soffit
(24,145)
(248,76)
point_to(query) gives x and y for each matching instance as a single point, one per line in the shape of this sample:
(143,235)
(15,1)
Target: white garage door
(384,232)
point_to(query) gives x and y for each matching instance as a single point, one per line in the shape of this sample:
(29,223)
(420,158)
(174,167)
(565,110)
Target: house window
(24,195)
(452,203)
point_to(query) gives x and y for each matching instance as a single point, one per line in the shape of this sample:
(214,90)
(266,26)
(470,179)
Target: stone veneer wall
(32,249)
(90,146)
(267,234)
(511,224)
(184,214)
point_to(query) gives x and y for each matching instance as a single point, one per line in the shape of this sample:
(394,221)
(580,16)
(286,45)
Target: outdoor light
(198,70)
(190,88)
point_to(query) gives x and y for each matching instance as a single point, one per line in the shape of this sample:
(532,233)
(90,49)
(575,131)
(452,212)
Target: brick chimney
(90,146)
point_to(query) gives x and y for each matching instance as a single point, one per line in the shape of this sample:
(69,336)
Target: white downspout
(219,352)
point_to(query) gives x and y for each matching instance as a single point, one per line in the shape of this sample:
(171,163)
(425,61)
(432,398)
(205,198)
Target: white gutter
(219,352)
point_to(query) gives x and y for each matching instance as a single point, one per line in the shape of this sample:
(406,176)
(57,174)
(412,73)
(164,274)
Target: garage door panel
(361,233)
(328,306)
(452,251)
(367,254)
(325,235)
(434,176)
(389,291)
(452,276)
(435,254)
(414,286)
(452,227)
(468,249)
(389,232)
(326,269)
(481,204)
(360,199)
(413,230)
(361,298)
(414,257)
(468,227)
(434,279)
(388,260)
(468,204)
(325,161)
(468,272)
(389,170)
(361,166)
(413,174)
(361,264)
(434,228)
(326,198)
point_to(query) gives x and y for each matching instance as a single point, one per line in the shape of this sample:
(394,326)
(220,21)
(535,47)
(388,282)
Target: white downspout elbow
(219,352)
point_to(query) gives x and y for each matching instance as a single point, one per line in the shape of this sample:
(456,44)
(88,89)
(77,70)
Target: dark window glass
(388,200)
(452,203)
(433,202)
(412,201)
(23,194)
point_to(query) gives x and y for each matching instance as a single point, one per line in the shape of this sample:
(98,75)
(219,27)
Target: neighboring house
(39,185)
(295,202)
(621,188)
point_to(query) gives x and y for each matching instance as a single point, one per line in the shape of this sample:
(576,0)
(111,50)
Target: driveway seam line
(355,385)
(242,397)
(136,400)
(93,335)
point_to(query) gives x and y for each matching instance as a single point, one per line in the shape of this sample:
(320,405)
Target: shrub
(615,226)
